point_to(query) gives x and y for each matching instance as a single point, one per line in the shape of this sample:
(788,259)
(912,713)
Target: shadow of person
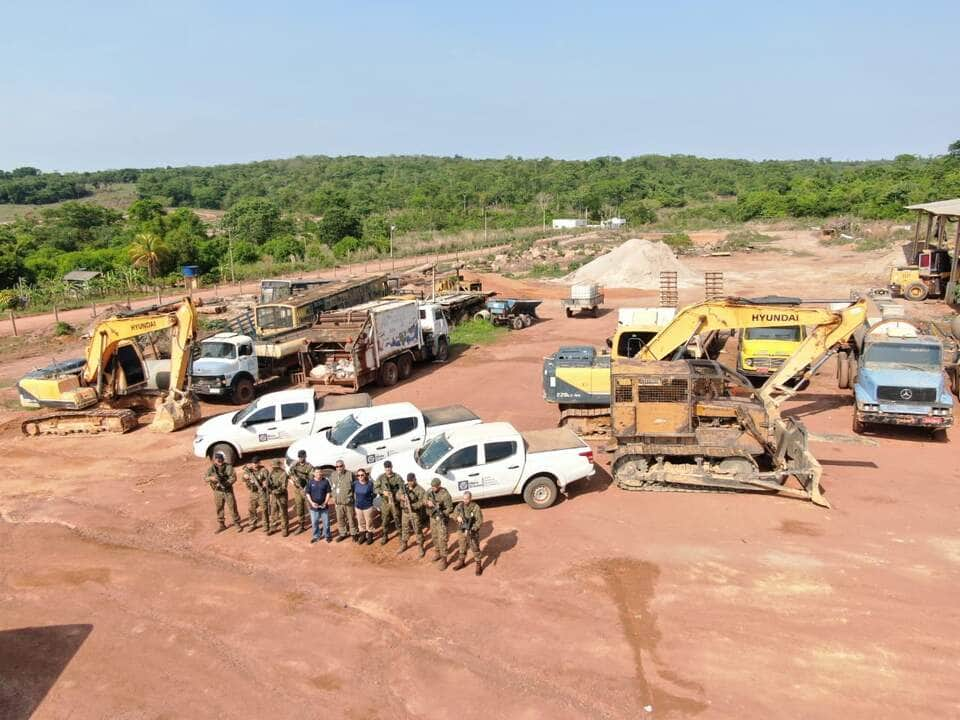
(496,546)
(31,660)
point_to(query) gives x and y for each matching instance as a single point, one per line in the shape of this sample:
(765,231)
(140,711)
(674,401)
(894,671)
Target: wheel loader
(96,394)
(697,425)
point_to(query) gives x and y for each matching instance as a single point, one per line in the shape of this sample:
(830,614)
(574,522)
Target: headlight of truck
(747,362)
(941,411)
(871,407)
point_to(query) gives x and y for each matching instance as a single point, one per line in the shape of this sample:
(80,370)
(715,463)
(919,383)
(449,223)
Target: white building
(613,222)
(562,223)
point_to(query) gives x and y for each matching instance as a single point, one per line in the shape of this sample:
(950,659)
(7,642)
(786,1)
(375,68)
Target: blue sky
(138,84)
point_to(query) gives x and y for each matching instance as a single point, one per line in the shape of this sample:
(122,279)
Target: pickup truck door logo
(906,394)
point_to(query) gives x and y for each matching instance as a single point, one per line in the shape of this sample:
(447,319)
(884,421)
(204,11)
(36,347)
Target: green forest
(324,208)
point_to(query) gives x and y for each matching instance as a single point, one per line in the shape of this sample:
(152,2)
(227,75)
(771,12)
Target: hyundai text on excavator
(114,373)
(696,425)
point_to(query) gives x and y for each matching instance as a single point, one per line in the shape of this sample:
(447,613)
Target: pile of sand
(635,264)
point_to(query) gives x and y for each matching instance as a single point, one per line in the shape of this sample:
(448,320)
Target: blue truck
(898,377)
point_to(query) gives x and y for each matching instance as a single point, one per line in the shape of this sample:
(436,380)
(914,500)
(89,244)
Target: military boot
(341,538)
(253,527)
(369,538)
(423,550)
(479,570)
(383,537)
(460,565)
(239,527)
(356,538)
(403,548)
(220,529)
(443,563)
(286,533)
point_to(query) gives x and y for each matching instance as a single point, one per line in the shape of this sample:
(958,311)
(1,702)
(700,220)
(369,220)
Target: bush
(740,240)
(678,242)
(62,328)
(547,270)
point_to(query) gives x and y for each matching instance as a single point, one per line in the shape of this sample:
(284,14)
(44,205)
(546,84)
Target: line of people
(404,504)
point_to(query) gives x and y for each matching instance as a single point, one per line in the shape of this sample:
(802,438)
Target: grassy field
(476,332)
(116,197)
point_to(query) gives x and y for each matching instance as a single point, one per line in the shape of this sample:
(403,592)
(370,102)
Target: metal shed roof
(81,275)
(940,207)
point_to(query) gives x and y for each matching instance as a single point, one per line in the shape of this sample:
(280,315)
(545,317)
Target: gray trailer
(584,298)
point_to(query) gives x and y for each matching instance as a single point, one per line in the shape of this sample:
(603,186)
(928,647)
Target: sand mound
(635,264)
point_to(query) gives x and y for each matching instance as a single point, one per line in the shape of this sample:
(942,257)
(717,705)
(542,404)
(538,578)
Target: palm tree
(148,251)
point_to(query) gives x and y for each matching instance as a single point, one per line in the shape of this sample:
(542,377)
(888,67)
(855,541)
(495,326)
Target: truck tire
(854,369)
(443,350)
(858,427)
(939,435)
(388,375)
(242,391)
(229,454)
(916,291)
(404,366)
(482,315)
(517,323)
(569,312)
(540,493)
(843,371)
(527,320)
(595,311)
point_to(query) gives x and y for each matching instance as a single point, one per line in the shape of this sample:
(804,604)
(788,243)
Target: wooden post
(94,309)
(159,296)
(56,315)
(13,321)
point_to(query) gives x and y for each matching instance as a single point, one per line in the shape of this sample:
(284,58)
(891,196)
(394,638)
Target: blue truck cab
(901,381)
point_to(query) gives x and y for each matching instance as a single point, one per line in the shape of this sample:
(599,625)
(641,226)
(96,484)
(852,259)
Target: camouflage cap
(302,454)
(435,482)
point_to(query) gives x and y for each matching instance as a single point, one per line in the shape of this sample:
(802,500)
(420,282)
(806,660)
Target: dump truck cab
(761,351)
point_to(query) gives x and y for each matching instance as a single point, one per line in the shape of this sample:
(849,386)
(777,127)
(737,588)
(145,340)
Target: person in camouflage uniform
(469,517)
(440,505)
(221,477)
(387,485)
(341,481)
(300,473)
(256,477)
(412,498)
(277,482)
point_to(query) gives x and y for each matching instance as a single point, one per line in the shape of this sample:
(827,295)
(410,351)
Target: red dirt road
(695,605)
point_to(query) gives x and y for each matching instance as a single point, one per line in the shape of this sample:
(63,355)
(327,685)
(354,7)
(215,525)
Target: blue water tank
(191,270)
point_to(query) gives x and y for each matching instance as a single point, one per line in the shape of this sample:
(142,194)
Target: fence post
(94,309)
(13,321)
(56,315)
(159,296)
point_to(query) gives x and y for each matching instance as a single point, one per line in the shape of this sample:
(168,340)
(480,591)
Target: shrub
(740,240)
(62,328)
(678,242)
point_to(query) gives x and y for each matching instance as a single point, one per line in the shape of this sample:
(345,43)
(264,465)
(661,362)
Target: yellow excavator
(114,374)
(695,425)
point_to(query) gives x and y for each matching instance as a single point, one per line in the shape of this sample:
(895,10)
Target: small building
(614,223)
(80,278)
(564,223)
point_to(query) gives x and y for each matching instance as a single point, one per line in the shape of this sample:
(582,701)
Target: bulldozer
(696,425)
(97,394)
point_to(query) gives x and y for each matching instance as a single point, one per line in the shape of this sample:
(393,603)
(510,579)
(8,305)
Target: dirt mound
(634,264)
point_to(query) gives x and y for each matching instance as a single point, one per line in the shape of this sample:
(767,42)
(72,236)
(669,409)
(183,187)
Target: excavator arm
(729,314)
(108,335)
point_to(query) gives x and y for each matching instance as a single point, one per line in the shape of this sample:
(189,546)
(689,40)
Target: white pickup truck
(369,435)
(495,459)
(273,421)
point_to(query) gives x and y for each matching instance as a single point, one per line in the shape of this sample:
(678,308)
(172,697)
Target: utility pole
(392,265)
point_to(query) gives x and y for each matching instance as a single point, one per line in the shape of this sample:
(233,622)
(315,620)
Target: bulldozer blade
(175,412)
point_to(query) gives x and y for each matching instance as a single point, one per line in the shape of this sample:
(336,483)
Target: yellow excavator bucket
(175,411)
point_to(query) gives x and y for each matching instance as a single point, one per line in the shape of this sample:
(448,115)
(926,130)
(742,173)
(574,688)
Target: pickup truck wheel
(389,374)
(517,323)
(404,366)
(569,312)
(540,492)
(229,454)
(916,291)
(443,350)
(242,392)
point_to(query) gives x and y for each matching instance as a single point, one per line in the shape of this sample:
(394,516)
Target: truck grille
(768,362)
(668,391)
(892,393)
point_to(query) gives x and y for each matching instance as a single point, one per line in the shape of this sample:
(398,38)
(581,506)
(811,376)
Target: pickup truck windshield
(788,334)
(218,350)
(342,431)
(890,355)
(432,452)
(247,412)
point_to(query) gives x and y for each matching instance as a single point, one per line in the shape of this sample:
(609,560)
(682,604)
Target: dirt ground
(117,600)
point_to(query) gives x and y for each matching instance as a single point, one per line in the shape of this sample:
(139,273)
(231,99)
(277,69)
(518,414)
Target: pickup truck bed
(343,402)
(553,439)
(448,415)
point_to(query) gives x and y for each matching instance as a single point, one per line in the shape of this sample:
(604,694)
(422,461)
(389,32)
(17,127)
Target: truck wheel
(517,323)
(229,454)
(843,371)
(569,312)
(242,392)
(939,435)
(595,311)
(540,492)
(404,366)
(858,426)
(527,320)
(916,291)
(853,368)
(443,350)
(388,374)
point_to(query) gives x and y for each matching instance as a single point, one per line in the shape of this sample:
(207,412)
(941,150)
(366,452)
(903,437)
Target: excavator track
(586,422)
(81,422)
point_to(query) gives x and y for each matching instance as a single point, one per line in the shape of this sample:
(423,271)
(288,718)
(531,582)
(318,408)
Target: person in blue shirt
(317,493)
(363,493)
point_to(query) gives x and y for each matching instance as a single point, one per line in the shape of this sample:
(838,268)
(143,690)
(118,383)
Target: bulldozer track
(81,422)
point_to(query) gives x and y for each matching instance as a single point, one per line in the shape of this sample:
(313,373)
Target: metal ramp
(669,295)
(713,285)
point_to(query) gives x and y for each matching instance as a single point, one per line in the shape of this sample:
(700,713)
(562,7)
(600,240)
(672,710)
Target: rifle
(406,493)
(437,509)
(224,486)
(466,524)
